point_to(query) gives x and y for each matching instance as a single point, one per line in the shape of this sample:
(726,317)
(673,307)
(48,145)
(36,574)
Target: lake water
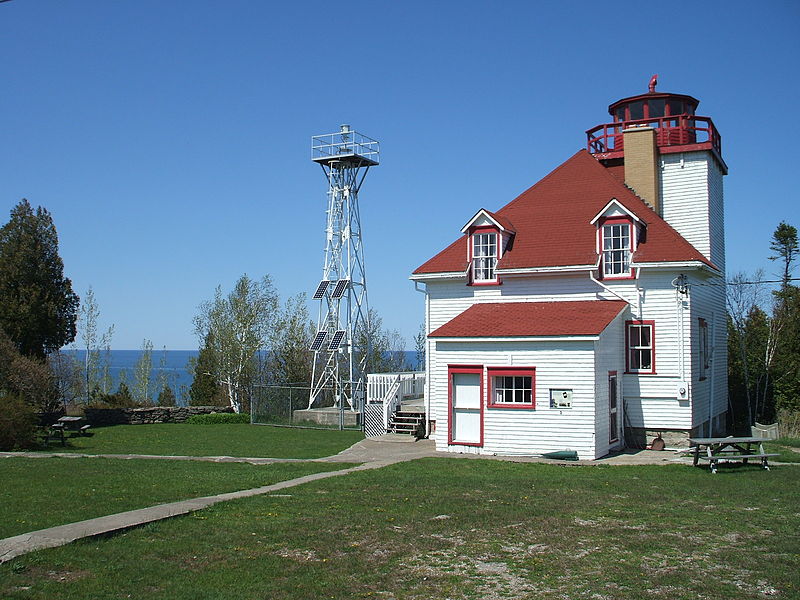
(172,363)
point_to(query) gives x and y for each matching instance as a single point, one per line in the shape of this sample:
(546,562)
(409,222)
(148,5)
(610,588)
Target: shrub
(218,419)
(17,424)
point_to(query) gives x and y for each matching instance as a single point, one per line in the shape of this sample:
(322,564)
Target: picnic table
(728,449)
(73,425)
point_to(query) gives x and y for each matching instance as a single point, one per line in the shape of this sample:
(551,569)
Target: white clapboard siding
(691,201)
(708,302)
(559,364)
(609,356)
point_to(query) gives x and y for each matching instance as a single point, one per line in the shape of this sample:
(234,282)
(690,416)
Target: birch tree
(96,365)
(240,324)
(141,374)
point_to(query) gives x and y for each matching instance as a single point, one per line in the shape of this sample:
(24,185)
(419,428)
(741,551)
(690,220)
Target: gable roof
(532,319)
(553,225)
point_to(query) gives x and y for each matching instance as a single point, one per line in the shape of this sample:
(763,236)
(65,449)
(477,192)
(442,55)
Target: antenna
(341,345)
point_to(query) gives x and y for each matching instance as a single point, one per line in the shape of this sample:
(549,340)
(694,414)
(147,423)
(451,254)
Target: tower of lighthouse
(341,344)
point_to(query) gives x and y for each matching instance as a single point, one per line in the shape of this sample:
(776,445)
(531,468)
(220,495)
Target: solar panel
(323,285)
(341,286)
(318,340)
(337,340)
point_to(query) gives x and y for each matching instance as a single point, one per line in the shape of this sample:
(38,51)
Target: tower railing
(679,130)
(348,143)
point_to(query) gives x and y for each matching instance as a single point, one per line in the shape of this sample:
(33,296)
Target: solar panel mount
(316,344)
(336,341)
(323,285)
(341,287)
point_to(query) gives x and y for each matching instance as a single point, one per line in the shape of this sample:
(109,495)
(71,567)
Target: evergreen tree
(38,308)
(205,391)
(166,397)
(784,245)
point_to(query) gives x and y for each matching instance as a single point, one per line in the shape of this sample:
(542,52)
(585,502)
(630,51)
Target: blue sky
(171,140)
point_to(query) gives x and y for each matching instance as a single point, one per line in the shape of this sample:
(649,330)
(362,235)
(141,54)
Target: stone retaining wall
(148,415)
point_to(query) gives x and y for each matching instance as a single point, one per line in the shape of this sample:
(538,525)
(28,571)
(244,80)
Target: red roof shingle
(553,228)
(532,319)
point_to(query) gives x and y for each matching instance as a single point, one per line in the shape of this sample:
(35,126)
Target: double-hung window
(512,387)
(640,338)
(484,256)
(616,244)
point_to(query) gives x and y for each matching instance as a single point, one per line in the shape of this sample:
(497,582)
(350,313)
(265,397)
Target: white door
(465,427)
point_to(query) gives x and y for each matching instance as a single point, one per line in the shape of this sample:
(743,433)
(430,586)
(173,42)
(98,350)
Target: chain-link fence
(288,405)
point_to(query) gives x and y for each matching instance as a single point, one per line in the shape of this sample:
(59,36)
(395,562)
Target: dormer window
(484,256)
(617,247)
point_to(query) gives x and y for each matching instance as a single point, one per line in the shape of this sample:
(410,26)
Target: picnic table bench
(726,449)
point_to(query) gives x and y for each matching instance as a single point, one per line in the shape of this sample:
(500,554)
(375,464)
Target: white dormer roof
(484,218)
(615,209)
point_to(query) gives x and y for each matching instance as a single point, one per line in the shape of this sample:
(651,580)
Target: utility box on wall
(560,398)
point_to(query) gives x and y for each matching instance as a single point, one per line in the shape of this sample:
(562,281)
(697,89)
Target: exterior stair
(406,421)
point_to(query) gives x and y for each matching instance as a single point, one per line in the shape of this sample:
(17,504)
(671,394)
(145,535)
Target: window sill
(484,283)
(513,406)
(640,373)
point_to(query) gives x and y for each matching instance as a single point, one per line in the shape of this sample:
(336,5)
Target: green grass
(459,529)
(44,492)
(783,449)
(218,440)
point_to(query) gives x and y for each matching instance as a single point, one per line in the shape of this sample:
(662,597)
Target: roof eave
(519,338)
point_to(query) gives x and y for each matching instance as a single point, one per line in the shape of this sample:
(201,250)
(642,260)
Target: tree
(27,378)
(386,346)
(142,371)
(420,342)
(205,391)
(166,397)
(97,348)
(38,308)
(784,245)
(67,376)
(290,359)
(240,324)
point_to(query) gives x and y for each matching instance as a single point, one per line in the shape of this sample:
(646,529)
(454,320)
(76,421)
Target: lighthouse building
(588,313)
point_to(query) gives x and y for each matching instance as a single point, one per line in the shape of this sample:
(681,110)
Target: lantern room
(673,116)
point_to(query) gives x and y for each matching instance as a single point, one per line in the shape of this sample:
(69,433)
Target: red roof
(553,229)
(532,319)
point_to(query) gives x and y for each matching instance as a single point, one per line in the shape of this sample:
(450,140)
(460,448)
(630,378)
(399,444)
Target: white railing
(390,389)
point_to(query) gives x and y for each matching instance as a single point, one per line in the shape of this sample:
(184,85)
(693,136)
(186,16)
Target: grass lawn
(456,528)
(180,439)
(783,447)
(44,492)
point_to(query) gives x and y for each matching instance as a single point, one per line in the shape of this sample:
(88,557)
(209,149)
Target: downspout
(711,368)
(427,360)
(606,288)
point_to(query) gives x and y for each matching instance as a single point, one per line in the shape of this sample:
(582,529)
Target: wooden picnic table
(729,449)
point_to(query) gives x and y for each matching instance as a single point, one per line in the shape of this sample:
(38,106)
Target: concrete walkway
(373,453)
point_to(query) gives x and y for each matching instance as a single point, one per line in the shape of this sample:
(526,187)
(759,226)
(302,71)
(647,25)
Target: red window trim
(652,325)
(511,372)
(451,370)
(603,221)
(470,247)
(492,372)
(703,364)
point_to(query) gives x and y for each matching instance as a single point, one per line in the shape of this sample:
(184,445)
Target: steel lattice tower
(341,345)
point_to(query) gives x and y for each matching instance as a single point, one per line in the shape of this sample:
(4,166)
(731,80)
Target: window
(484,256)
(640,337)
(613,427)
(616,246)
(703,349)
(512,387)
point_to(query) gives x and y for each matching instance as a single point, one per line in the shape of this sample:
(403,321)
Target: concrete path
(373,453)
